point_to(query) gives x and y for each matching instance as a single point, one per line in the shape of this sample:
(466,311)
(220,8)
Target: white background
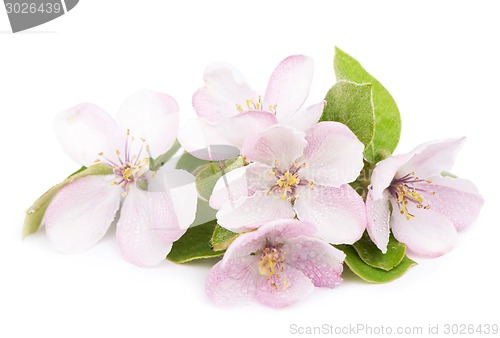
(439,60)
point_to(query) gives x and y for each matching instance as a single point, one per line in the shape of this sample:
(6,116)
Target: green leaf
(372,255)
(195,244)
(351,104)
(387,118)
(222,238)
(369,273)
(155,164)
(34,215)
(189,163)
(210,173)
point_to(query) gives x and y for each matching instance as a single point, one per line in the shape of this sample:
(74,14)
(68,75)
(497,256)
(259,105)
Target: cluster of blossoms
(288,206)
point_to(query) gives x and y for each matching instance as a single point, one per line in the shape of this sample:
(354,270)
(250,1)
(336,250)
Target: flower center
(409,189)
(271,266)
(287,181)
(129,167)
(252,105)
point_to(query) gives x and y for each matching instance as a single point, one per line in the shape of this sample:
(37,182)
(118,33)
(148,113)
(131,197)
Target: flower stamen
(129,168)
(271,265)
(408,189)
(287,181)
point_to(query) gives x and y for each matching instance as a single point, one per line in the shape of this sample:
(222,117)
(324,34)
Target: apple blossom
(424,209)
(156,207)
(230,111)
(277,265)
(293,174)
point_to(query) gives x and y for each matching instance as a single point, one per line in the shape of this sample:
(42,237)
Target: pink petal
(289,85)
(225,87)
(244,125)
(229,188)
(384,173)
(305,118)
(318,260)
(432,158)
(152,116)
(296,287)
(275,233)
(204,141)
(81,213)
(233,283)
(428,234)
(237,279)
(86,130)
(147,227)
(378,217)
(334,155)
(253,211)
(456,198)
(338,213)
(276,143)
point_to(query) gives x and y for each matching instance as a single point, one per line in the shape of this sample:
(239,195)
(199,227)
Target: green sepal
(351,104)
(222,238)
(194,244)
(387,117)
(371,255)
(34,215)
(369,273)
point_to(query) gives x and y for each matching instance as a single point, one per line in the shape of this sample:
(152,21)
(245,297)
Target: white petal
(230,187)
(259,177)
(456,198)
(378,216)
(152,116)
(252,212)
(289,85)
(81,213)
(338,213)
(181,187)
(86,130)
(334,155)
(239,128)
(305,118)
(147,227)
(428,234)
(384,173)
(225,87)
(277,143)
(432,158)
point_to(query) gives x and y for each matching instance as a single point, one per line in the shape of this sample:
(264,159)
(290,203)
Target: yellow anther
(250,104)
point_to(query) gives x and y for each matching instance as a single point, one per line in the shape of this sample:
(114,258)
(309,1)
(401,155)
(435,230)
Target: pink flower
(277,265)
(427,208)
(230,111)
(296,174)
(149,221)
